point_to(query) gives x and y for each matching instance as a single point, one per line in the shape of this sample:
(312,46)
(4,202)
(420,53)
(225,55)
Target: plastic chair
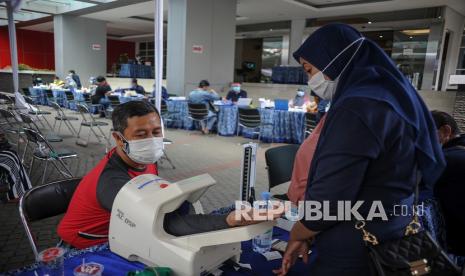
(45,152)
(89,121)
(310,123)
(279,164)
(44,202)
(61,116)
(198,112)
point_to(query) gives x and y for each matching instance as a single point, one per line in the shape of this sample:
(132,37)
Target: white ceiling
(256,11)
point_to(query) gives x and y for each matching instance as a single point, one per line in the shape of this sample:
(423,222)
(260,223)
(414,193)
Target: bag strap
(412,228)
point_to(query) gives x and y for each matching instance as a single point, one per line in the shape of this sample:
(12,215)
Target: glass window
(272,50)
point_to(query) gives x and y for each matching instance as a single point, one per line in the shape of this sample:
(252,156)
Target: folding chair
(89,121)
(114,102)
(167,141)
(61,116)
(39,114)
(50,137)
(198,112)
(70,98)
(11,125)
(310,123)
(89,104)
(43,202)
(7,101)
(50,97)
(249,118)
(45,152)
(27,92)
(279,164)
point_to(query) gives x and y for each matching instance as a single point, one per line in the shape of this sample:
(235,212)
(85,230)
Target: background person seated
(139,145)
(75,78)
(236,93)
(300,99)
(58,82)
(450,188)
(203,94)
(136,87)
(164,93)
(102,90)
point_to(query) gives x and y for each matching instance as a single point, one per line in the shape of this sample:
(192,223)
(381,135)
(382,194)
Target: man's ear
(446,130)
(118,140)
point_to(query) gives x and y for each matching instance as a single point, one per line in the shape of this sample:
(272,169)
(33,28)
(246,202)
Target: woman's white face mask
(324,88)
(144,151)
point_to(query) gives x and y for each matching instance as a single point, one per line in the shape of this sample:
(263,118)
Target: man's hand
(233,222)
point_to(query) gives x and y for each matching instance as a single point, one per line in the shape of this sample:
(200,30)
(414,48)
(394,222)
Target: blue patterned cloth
(115,265)
(135,71)
(278,126)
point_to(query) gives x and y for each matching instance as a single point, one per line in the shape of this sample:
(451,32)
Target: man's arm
(181,225)
(108,186)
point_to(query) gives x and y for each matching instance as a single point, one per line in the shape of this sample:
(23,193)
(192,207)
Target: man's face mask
(300,93)
(236,89)
(324,88)
(143,151)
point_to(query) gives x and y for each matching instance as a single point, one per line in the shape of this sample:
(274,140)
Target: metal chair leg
(95,133)
(66,167)
(45,172)
(31,164)
(79,131)
(168,159)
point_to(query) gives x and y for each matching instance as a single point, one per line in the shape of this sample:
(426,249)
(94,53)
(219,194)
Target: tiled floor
(191,153)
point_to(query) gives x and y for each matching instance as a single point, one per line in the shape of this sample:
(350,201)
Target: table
(135,71)
(279,126)
(115,265)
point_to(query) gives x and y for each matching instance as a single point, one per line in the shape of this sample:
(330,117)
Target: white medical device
(137,234)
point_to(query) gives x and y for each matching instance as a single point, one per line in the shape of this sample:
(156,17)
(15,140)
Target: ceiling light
(380,36)
(271,30)
(416,32)
(410,37)
(369,22)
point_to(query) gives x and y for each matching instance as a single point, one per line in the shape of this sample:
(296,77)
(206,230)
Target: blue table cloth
(40,97)
(115,265)
(135,71)
(278,126)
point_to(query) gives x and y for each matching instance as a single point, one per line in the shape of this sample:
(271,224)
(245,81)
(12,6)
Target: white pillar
(296,37)
(201,41)
(80,44)
(13,46)
(454,24)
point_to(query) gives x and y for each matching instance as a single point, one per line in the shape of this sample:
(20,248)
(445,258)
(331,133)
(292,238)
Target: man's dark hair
(100,79)
(442,118)
(204,83)
(72,72)
(124,111)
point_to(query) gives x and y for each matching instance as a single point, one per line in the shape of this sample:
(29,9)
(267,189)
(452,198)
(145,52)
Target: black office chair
(310,123)
(249,118)
(44,202)
(279,164)
(198,112)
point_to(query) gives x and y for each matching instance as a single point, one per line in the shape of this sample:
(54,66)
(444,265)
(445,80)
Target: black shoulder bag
(416,253)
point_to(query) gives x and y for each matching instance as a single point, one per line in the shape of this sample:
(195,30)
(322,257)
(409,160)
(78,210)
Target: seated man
(139,144)
(136,87)
(204,95)
(450,187)
(236,93)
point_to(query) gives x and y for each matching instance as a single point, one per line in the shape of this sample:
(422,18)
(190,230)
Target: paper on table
(272,255)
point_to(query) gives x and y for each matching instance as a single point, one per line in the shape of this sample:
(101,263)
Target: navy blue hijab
(372,74)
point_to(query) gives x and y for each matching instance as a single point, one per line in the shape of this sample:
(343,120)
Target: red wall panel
(35,49)
(115,48)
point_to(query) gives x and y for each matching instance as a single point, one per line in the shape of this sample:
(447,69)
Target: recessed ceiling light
(380,36)
(411,37)
(369,22)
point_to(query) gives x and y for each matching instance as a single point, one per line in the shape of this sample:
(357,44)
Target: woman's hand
(294,249)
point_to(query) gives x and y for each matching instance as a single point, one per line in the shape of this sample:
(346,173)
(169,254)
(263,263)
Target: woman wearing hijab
(377,135)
